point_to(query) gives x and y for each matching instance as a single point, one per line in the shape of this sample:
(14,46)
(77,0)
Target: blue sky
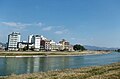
(88,22)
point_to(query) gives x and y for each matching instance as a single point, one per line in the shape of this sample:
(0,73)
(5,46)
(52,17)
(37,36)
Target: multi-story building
(55,46)
(52,45)
(43,38)
(65,44)
(13,40)
(36,41)
(30,38)
(58,46)
(45,45)
(22,45)
(39,41)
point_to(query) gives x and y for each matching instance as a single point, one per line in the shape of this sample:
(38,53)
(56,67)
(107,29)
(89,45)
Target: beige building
(55,46)
(65,44)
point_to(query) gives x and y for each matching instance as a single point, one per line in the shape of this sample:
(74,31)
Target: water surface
(10,65)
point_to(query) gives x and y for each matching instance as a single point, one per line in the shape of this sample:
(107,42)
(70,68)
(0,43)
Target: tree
(118,50)
(32,48)
(25,48)
(78,47)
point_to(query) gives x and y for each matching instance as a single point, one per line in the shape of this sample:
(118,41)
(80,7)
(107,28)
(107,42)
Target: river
(22,65)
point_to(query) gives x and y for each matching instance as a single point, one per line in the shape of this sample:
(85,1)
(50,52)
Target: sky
(86,22)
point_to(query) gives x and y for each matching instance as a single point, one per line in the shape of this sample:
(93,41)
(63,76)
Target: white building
(30,38)
(58,46)
(43,38)
(13,40)
(52,45)
(36,41)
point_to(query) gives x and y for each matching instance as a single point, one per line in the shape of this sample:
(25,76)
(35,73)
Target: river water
(21,65)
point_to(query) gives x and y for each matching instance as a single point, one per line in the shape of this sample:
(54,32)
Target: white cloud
(9,24)
(61,32)
(47,28)
(15,25)
(20,26)
(39,24)
(73,38)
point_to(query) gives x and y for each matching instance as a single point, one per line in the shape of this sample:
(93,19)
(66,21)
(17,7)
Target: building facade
(30,38)
(13,40)
(65,44)
(45,45)
(55,46)
(36,41)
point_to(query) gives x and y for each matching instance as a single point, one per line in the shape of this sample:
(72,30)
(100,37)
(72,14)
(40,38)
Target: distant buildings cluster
(36,43)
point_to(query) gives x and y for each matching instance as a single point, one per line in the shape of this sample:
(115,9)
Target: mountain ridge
(88,47)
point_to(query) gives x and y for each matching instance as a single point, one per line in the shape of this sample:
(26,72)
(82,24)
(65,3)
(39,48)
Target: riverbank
(42,54)
(111,71)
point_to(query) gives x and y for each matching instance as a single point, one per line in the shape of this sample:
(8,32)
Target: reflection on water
(37,64)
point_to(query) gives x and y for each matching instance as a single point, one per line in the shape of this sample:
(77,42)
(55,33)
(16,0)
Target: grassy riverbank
(99,72)
(50,53)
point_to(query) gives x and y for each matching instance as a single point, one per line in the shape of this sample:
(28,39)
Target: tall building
(36,41)
(13,40)
(30,38)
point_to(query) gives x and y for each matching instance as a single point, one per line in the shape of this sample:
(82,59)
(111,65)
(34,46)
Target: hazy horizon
(86,22)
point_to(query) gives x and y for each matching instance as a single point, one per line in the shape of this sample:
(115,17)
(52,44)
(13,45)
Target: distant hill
(98,48)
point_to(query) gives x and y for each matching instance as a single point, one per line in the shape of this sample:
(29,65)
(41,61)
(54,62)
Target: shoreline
(51,54)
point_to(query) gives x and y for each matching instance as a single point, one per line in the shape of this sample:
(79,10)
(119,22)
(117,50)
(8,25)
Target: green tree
(78,47)
(32,48)
(25,48)
(118,50)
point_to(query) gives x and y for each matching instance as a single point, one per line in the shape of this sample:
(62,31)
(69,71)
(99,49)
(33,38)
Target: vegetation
(78,47)
(118,50)
(99,72)
(25,48)
(32,48)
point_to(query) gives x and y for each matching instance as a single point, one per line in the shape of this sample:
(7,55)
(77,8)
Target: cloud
(61,32)
(19,25)
(73,38)
(47,28)
(15,25)
(40,24)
